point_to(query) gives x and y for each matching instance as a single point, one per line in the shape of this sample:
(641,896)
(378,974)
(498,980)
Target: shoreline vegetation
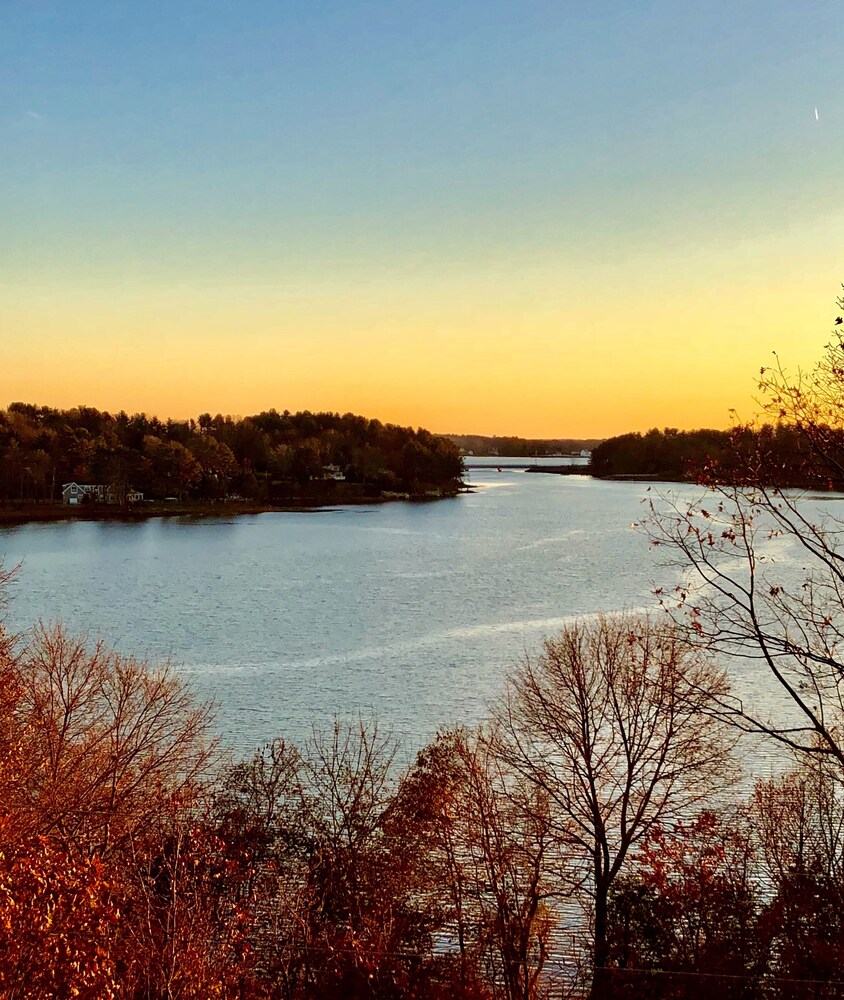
(779,455)
(306,462)
(708,457)
(486,446)
(280,461)
(774,454)
(82,462)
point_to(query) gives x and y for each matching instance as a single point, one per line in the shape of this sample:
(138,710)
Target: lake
(413,613)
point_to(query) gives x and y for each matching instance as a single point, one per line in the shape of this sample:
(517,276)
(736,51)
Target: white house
(75,493)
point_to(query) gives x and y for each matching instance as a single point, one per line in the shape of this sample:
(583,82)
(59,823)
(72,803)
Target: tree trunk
(600,954)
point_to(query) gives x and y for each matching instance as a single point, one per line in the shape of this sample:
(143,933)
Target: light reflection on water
(411,612)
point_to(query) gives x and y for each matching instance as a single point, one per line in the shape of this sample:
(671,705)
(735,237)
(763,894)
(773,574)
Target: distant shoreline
(12,514)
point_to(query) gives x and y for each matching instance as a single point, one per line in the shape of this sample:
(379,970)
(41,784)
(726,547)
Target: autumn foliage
(136,863)
(58,922)
(268,456)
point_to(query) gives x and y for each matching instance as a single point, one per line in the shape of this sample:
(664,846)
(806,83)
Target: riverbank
(27,513)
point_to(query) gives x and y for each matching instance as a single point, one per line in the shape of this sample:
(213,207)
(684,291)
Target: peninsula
(83,462)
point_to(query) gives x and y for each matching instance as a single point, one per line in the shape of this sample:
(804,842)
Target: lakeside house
(76,493)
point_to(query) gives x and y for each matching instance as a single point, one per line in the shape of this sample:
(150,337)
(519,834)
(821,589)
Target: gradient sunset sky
(569,218)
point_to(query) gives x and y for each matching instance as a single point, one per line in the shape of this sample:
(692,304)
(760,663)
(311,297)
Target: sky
(549,219)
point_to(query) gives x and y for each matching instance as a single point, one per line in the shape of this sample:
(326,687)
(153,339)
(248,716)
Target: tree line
(517,447)
(777,452)
(263,457)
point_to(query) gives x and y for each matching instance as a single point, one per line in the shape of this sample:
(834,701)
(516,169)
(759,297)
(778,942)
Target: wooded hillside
(259,457)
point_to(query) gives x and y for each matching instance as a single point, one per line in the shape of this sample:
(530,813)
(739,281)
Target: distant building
(333,472)
(76,493)
(585,454)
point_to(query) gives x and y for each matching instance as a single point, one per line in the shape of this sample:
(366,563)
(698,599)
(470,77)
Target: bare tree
(798,820)
(182,934)
(612,723)
(367,921)
(258,814)
(341,867)
(490,856)
(738,595)
(108,739)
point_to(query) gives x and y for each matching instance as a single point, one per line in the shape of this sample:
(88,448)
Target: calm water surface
(411,612)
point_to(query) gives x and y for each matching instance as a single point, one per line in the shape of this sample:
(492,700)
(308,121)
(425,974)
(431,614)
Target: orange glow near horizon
(494,361)
(546,220)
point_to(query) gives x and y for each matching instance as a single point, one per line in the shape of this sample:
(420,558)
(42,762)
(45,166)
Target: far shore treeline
(269,457)
(280,458)
(518,447)
(779,454)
